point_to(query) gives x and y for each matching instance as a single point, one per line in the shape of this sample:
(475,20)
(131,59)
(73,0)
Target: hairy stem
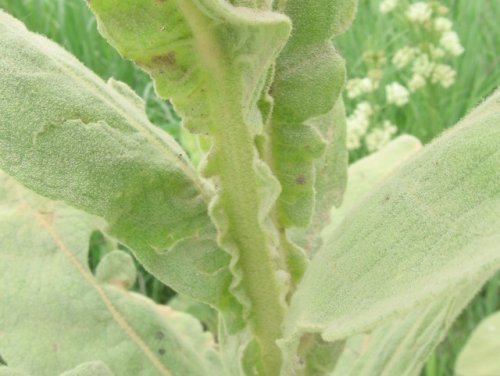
(241,199)
(235,157)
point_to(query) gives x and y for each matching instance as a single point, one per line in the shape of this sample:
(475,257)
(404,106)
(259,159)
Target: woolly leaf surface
(429,229)
(309,77)
(69,136)
(480,354)
(51,303)
(402,346)
(366,174)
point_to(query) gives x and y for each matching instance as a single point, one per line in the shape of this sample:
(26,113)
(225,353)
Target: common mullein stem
(235,155)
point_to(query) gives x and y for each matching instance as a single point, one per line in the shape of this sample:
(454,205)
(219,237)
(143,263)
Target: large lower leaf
(55,315)
(69,136)
(401,346)
(431,228)
(89,369)
(366,174)
(480,356)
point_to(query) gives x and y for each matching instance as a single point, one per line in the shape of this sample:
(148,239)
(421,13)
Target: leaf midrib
(89,278)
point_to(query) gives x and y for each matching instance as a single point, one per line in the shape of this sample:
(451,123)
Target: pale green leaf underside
(51,304)
(366,174)
(481,354)
(7,371)
(89,369)
(184,44)
(69,136)
(431,228)
(401,346)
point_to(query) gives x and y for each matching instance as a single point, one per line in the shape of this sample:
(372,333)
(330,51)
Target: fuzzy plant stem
(234,157)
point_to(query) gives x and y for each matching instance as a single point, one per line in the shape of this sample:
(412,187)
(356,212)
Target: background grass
(70,23)
(478,69)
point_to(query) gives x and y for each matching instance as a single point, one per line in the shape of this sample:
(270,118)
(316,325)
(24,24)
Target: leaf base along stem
(238,212)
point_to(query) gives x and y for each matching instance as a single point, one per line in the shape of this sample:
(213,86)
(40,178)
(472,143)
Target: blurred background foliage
(384,52)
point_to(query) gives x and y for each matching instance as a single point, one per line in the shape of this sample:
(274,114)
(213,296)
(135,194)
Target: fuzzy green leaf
(117,268)
(69,136)
(7,371)
(401,346)
(50,303)
(366,174)
(330,178)
(431,228)
(181,44)
(89,369)
(309,77)
(480,356)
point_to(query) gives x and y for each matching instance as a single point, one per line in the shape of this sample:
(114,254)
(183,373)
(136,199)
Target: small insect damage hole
(300,180)
(160,335)
(167,60)
(2,361)
(161,351)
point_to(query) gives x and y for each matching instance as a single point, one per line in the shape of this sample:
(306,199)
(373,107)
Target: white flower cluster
(417,81)
(387,6)
(442,24)
(444,75)
(424,60)
(397,94)
(427,61)
(359,86)
(423,65)
(404,56)
(357,125)
(450,41)
(419,12)
(357,129)
(380,137)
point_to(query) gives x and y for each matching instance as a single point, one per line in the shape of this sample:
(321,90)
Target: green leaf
(309,77)
(69,136)
(7,371)
(51,304)
(479,357)
(317,356)
(366,174)
(181,44)
(117,268)
(330,178)
(204,313)
(431,228)
(89,369)
(401,346)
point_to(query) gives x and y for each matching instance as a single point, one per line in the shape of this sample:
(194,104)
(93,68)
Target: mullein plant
(280,269)
(422,61)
